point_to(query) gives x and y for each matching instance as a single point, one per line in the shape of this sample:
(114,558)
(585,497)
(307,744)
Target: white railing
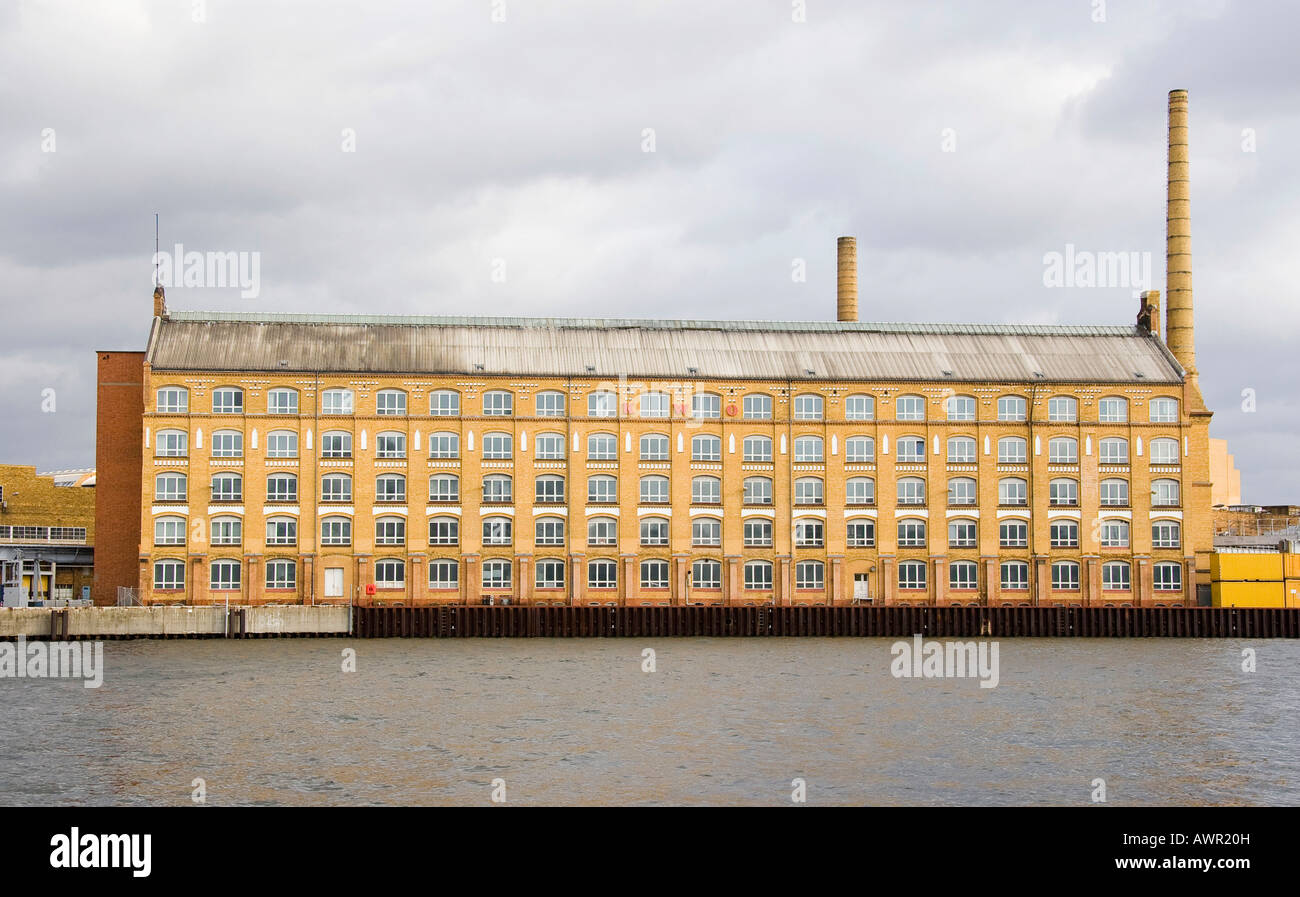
(126,597)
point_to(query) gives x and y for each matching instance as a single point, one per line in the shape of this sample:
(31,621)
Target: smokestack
(846,293)
(159,302)
(1178,241)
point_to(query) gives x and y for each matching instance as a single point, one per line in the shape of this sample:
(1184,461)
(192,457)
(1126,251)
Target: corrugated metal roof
(600,347)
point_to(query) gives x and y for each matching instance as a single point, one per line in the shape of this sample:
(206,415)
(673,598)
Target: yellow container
(1248,594)
(1252,567)
(1291,566)
(1291,588)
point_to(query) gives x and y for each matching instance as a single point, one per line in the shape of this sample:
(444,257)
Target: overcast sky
(389,157)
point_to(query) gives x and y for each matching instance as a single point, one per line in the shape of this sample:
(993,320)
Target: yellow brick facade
(349,572)
(49,524)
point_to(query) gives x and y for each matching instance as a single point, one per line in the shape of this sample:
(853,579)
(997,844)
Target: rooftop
(674,349)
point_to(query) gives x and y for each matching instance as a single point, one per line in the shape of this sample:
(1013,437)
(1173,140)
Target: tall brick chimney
(1178,241)
(846,293)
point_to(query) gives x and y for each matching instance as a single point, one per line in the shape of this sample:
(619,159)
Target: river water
(719,721)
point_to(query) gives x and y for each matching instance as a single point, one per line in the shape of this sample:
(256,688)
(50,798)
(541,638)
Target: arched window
(654,404)
(961,491)
(960,408)
(549,489)
(1164,451)
(225,576)
(445,487)
(336,487)
(1167,577)
(1064,533)
(227,531)
(1166,534)
(282,487)
(282,444)
(1063,492)
(809,532)
(758,576)
(1012,450)
(1112,450)
(1013,533)
(227,444)
(444,531)
(963,576)
(227,486)
(861,532)
(1063,410)
(1165,494)
(390,573)
(860,407)
(281,574)
(654,531)
(706,532)
(602,574)
(548,531)
(390,445)
(808,407)
(390,487)
(336,531)
(911,532)
(1114,492)
(911,575)
(758,491)
(171,444)
(1114,533)
(444,573)
(173,400)
(911,491)
(910,450)
(1015,576)
(498,530)
(444,403)
(756,407)
(498,403)
(499,489)
(757,448)
(706,447)
(498,574)
(654,447)
(654,490)
(860,491)
(169,487)
(909,408)
(282,400)
(602,404)
(444,445)
(602,490)
(169,575)
(169,530)
(1012,408)
(859,449)
(1065,576)
(706,573)
(337,401)
(390,402)
(706,491)
(1013,491)
(336,444)
(1112,410)
(808,449)
(1063,450)
(281,531)
(810,575)
(1115,576)
(390,531)
(228,400)
(1163,410)
(963,533)
(809,491)
(654,574)
(549,404)
(961,450)
(600,447)
(498,446)
(602,531)
(706,405)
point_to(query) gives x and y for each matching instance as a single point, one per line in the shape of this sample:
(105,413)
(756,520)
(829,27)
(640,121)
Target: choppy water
(721,721)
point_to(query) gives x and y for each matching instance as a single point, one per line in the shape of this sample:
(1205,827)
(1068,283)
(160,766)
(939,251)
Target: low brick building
(47,533)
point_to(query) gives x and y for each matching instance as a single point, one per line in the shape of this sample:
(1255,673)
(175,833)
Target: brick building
(425,460)
(47,533)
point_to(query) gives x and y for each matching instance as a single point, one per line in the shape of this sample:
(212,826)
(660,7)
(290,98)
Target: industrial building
(47,532)
(423,460)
